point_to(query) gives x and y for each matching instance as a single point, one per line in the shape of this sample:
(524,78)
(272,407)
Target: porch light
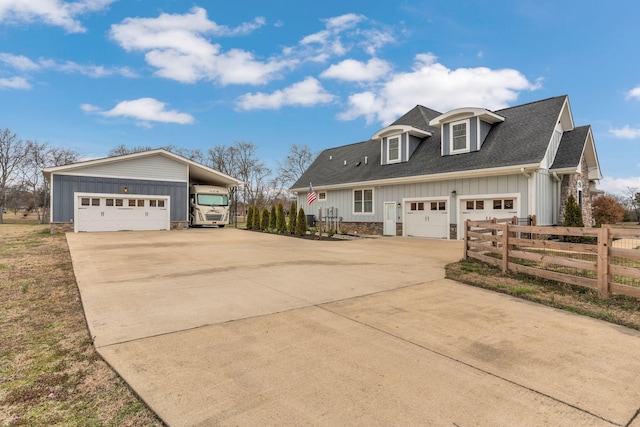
(125,189)
(454,193)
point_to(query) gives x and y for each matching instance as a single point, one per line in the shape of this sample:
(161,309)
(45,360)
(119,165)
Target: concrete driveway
(228,327)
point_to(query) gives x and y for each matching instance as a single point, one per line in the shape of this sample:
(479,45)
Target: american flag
(311,196)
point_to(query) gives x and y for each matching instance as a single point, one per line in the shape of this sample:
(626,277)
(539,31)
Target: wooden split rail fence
(606,259)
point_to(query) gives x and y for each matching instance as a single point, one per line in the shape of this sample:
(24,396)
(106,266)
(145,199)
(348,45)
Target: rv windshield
(212,200)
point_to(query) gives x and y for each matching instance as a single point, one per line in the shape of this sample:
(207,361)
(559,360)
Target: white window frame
(373,200)
(579,193)
(467,148)
(398,159)
(322,196)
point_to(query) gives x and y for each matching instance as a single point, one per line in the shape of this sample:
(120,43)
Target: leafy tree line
(22,184)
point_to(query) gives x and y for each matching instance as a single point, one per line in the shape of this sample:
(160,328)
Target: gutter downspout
(557,201)
(531,208)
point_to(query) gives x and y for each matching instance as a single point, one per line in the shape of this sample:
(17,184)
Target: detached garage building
(140,191)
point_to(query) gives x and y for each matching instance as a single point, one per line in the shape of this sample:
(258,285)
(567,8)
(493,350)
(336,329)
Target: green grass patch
(523,290)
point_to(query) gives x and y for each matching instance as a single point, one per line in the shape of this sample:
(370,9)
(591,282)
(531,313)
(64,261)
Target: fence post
(494,232)
(603,262)
(466,238)
(505,248)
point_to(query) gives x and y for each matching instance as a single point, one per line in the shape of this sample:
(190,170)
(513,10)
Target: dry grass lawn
(50,373)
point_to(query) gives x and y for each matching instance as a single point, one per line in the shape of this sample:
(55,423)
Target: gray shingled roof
(571,147)
(521,139)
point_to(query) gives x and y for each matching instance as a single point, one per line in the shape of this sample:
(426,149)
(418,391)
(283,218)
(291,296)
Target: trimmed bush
(292,218)
(301,223)
(573,213)
(256,218)
(272,218)
(264,224)
(249,224)
(573,218)
(281,221)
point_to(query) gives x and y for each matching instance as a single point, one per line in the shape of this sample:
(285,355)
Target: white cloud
(144,109)
(176,45)
(619,186)
(88,108)
(52,12)
(95,71)
(18,62)
(356,71)
(14,83)
(306,93)
(626,132)
(634,93)
(436,86)
(374,39)
(22,63)
(328,43)
(343,22)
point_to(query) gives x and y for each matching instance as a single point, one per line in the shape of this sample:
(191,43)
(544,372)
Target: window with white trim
(322,196)
(459,137)
(363,201)
(579,185)
(393,149)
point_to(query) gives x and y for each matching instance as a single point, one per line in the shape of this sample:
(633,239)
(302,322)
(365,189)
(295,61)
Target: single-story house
(141,191)
(428,172)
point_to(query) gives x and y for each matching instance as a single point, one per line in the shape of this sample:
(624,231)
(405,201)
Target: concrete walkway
(228,327)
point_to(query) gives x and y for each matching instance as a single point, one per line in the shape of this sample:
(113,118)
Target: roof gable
(196,172)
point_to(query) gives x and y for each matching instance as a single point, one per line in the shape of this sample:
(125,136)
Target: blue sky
(94,74)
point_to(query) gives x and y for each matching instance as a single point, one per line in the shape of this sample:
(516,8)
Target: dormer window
(398,142)
(464,130)
(393,149)
(459,140)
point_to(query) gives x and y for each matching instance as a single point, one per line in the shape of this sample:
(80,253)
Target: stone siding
(374,228)
(569,186)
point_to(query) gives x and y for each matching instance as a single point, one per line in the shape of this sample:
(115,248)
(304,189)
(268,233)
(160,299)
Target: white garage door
(481,209)
(427,218)
(99,212)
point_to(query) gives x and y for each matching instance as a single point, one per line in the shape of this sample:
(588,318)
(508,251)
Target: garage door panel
(427,218)
(119,213)
(487,209)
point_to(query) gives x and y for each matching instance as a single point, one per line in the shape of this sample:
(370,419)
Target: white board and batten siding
(156,168)
(509,186)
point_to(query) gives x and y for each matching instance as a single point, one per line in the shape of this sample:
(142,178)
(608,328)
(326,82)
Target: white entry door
(427,218)
(389,219)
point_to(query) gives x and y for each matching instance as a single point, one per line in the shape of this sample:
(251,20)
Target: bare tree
(241,161)
(632,199)
(293,166)
(122,150)
(31,173)
(12,155)
(195,155)
(57,156)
